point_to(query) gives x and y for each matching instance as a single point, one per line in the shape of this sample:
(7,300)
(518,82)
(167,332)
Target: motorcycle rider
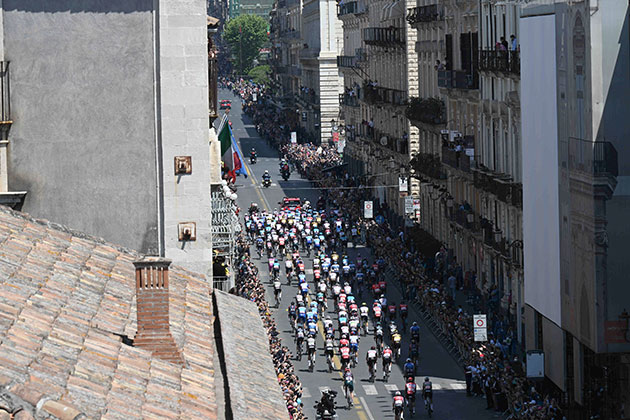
(252,155)
(266,177)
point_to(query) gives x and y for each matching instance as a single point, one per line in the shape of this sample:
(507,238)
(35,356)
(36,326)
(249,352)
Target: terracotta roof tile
(65,300)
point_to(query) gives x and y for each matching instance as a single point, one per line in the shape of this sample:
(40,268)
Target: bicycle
(411,404)
(387,370)
(428,405)
(311,360)
(365,327)
(348,392)
(372,371)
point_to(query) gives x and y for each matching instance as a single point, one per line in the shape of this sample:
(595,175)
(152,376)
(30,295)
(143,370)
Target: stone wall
(83,139)
(183,73)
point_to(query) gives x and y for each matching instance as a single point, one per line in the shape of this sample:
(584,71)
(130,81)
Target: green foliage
(260,74)
(245,35)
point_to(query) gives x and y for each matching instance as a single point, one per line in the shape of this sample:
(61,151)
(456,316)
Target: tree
(260,74)
(245,35)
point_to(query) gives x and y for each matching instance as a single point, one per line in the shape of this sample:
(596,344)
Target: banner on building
(403,184)
(480,327)
(293,137)
(368,209)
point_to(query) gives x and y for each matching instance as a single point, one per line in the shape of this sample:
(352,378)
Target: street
(372,401)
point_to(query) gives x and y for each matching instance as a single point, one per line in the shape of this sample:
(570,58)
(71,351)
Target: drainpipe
(158,128)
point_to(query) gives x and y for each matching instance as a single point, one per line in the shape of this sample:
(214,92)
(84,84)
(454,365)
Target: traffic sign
(408,205)
(368,209)
(480,327)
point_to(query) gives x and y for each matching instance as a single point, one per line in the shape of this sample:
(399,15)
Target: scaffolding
(224,230)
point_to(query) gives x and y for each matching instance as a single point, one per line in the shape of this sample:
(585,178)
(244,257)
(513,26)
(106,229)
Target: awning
(394,10)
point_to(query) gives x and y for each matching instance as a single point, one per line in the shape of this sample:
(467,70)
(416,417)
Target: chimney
(152,307)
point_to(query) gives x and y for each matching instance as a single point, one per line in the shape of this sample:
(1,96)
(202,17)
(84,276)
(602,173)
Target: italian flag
(230,153)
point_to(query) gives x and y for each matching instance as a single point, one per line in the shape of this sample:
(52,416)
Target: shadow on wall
(73,6)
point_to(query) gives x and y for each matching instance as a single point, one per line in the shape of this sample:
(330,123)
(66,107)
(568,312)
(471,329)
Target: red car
(291,204)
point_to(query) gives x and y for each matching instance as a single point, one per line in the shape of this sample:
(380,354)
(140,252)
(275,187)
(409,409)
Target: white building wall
(183,79)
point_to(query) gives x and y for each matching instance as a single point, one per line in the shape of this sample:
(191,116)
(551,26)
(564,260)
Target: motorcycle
(252,159)
(285,175)
(266,183)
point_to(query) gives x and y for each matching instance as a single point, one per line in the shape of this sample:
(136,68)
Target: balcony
(427,111)
(500,61)
(594,157)
(348,100)
(290,34)
(373,95)
(346,61)
(428,164)
(458,79)
(423,14)
(456,159)
(463,215)
(308,98)
(384,37)
(501,185)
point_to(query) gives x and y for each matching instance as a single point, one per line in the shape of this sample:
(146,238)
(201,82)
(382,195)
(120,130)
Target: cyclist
(329,350)
(387,362)
(310,346)
(344,351)
(391,310)
(292,314)
(364,310)
(371,361)
(410,391)
(299,339)
(397,406)
(348,386)
(409,368)
(378,335)
(354,347)
(414,352)
(403,309)
(396,340)
(415,332)
(427,392)
(277,291)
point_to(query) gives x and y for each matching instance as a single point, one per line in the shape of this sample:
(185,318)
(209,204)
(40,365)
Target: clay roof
(246,344)
(67,307)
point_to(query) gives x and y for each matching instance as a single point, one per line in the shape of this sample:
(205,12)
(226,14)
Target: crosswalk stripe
(308,271)
(391,387)
(437,387)
(457,386)
(370,390)
(306,393)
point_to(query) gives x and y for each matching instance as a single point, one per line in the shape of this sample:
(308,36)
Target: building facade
(99,135)
(380,70)
(575,85)
(318,94)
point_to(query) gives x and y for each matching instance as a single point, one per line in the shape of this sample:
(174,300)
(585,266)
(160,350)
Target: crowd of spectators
(494,369)
(249,286)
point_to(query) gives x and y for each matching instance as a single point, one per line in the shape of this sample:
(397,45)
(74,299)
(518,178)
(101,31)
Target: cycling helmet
(398,393)
(426,379)
(408,360)
(363,304)
(373,347)
(410,379)
(415,323)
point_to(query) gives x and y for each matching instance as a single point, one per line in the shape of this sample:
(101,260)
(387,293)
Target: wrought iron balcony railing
(421,14)
(458,79)
(500,61)
(383,37)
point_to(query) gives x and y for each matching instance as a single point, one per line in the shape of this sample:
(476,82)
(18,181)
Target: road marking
(308,271)
(323,388)
(437,387)
(366,408)
(457,386)
(391,387)
(306,393)
(370,389)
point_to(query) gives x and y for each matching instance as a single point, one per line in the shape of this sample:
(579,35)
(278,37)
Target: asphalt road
(373,401)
